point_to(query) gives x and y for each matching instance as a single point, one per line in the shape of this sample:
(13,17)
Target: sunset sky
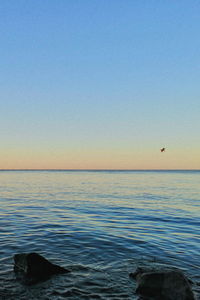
(89,84)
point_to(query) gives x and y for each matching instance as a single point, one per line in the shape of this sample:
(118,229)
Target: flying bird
(162,150)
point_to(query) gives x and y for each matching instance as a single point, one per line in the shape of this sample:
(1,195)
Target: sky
(99,84)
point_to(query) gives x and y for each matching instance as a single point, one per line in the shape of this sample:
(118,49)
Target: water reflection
(100,220)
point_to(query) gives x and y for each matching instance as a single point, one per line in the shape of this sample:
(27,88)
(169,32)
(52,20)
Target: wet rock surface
(162,284)
(32,268)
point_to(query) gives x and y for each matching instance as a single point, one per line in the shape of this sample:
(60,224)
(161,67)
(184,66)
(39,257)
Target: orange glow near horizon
(79,159)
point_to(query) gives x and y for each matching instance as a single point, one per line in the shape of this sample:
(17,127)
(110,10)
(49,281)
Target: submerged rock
(32,268)
(163,284)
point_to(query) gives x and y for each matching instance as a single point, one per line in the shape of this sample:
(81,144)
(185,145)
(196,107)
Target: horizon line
(57,169)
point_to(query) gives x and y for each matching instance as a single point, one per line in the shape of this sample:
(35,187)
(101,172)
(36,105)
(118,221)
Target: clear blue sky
(99,84)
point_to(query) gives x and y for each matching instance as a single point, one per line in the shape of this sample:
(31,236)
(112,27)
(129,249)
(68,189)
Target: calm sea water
(100,225)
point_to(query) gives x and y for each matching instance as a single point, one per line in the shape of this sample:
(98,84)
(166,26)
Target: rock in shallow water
(163,284)
(32,268)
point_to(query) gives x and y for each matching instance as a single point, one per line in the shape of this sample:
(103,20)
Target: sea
(99,224)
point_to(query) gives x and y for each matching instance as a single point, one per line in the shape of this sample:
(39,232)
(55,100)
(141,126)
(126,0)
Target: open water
(99,224)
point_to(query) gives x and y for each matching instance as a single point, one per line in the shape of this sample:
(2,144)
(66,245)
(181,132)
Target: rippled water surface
(100,225)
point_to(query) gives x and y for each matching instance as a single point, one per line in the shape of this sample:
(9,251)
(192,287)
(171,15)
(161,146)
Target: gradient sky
(100,84)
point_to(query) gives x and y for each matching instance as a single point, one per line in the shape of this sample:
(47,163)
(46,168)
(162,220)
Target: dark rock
(32,268)
(163,285)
